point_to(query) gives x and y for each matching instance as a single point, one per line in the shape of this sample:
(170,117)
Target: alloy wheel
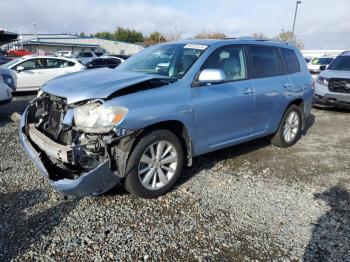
(291,127)
(157,165)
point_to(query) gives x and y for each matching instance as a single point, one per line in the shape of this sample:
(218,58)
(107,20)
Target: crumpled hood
(93,84)
(335,74)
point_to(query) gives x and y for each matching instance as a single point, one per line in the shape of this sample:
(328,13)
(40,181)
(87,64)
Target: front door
(32,76)
(223,112)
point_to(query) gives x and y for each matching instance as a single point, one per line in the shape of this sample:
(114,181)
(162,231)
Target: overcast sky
(320,23)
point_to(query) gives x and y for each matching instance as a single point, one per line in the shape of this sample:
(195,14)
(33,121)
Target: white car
(34,71)
(317,63)
(7,84)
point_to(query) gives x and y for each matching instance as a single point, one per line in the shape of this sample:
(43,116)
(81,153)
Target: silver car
(7,85)
(332,87)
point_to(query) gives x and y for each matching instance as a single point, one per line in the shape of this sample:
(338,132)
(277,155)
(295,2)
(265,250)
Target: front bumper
(324,97)
(95,182)
(332,100)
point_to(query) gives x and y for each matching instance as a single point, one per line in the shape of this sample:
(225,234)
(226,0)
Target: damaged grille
(339,85)
(55,109)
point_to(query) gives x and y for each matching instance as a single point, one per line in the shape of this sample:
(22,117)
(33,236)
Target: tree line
(133,36)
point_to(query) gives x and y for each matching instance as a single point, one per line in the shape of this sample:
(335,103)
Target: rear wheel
(290,127)
(155,164)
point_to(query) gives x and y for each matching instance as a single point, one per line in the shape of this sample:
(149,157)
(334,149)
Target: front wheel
(290,127)
(154,165)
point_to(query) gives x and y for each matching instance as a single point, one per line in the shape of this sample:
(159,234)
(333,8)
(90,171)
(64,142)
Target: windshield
(322,61)
(341,63)
(11,63)
(172,60)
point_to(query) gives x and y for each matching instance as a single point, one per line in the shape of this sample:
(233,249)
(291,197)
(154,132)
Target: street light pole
(295,15)
(34,25)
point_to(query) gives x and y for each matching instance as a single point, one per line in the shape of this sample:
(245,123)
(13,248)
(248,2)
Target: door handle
(287,85)
(248,91)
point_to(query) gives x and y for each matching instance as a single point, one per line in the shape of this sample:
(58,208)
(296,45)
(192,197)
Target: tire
(281,138)
(158,176)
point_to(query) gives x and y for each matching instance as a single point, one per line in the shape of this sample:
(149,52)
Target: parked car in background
(332,87)
(103,61)
(18,52)
(140,125)
(85,56)
(124,57)
(317,63)
(7,85)
(5,59)
(68,54)
(33,71)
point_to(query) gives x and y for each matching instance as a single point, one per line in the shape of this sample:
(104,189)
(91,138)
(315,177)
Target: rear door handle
(248,91)
(287,85)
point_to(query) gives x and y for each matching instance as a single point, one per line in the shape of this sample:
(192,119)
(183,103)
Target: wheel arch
(179,129)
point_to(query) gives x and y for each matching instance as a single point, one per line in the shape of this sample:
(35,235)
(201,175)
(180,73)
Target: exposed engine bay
(66,151)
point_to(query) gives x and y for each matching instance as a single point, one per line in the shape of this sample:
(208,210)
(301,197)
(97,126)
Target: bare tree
(288,36)
(258,35)
(173,35)
(210,35)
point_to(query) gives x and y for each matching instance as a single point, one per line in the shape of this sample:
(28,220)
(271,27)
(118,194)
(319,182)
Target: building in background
(7,37)
(51,43)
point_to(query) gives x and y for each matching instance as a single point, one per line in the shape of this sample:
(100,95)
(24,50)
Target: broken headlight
(96,118)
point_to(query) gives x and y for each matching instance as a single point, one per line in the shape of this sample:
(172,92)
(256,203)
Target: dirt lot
(249,202)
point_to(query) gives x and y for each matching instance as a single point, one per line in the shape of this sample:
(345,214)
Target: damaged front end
(77,161)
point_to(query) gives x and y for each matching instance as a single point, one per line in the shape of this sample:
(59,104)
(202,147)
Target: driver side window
(229,59)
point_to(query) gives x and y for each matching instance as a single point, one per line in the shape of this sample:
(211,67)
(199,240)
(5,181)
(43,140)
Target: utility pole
(295,15)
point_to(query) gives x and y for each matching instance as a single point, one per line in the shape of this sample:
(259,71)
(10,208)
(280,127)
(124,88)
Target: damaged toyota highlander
(141,123)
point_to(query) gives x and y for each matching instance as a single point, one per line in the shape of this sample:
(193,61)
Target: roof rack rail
(258,39)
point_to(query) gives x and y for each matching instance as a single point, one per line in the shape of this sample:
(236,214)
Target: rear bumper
(94,182)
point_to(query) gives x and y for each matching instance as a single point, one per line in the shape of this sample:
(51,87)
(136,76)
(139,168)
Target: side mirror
(212,76)
(323,67)
(19,69)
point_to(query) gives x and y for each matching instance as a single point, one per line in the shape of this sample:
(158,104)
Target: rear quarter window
(264,61)
(291,60)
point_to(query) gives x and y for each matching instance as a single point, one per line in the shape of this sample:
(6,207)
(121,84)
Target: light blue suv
(141,123)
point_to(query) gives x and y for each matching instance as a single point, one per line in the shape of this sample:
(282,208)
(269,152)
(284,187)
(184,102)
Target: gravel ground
(249,202)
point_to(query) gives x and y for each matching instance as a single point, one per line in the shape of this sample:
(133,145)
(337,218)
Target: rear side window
(58,63)
(264,61)
(85,54)
(113,61)
(291,60)
(99,62)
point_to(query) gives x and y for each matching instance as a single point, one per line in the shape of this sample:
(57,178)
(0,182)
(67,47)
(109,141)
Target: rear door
(272,86)
(299,80)
(224,111)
